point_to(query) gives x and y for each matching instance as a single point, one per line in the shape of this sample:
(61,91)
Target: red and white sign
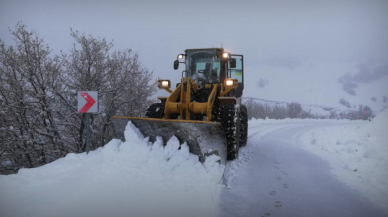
(87,101)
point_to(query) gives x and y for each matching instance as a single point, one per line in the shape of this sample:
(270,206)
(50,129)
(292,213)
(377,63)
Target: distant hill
(319,86)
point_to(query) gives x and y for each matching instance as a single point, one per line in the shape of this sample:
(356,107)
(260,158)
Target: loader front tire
(227,117)
(244,125)
(155,110)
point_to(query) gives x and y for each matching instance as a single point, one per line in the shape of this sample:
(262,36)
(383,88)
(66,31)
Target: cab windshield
(204,65)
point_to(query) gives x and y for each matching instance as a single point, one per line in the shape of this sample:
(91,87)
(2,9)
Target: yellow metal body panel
(210,102)
(188,96)
(179,103)
(171,106)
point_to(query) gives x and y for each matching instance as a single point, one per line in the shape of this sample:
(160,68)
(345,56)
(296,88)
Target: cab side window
(237,72)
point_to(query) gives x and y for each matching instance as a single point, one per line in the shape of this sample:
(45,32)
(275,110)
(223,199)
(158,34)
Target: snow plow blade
(203,138)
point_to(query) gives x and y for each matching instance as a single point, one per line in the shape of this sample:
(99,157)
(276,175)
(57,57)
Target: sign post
(87,103)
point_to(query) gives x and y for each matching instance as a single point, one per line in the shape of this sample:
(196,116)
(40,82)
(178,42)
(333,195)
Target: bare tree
(28,73)
(306,114)
(123,86)
(255,110)
(333,115)
(293,109)
(38,96)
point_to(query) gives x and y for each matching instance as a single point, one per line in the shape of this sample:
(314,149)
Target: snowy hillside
(317,82)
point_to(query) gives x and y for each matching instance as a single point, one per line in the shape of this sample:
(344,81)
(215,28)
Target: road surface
(274,177)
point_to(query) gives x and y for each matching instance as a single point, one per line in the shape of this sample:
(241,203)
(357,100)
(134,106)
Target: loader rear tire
(155,110)
(244,125)
(227,117)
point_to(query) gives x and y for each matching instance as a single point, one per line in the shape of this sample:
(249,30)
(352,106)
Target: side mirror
(176,64)
(232,63)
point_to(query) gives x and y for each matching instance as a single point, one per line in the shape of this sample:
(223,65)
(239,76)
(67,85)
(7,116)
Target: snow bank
(133,178)
(357,153)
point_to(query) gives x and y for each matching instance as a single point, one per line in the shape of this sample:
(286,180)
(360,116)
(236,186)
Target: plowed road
(277,178)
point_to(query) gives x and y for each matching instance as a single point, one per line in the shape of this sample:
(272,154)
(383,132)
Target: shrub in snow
(333,115)
(256,110)
(305,114)
(293,109)
(278,112)
(363,113)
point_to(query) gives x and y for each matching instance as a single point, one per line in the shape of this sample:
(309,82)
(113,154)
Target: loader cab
(212,65)
(203,66)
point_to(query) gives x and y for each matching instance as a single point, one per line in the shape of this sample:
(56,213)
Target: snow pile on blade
(132,178)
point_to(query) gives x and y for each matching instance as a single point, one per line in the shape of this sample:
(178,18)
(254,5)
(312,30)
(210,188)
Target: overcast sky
(258,29)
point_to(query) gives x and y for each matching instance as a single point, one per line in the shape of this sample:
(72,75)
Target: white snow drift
(133,178)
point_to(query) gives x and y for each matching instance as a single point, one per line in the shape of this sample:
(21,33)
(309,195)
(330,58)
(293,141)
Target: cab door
(237,73)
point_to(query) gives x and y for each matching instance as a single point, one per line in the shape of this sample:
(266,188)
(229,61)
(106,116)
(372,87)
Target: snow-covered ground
(357,153)
(275,176)
(121,179)
(135,178)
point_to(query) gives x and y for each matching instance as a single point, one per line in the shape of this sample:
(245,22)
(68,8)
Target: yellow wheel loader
(204,110)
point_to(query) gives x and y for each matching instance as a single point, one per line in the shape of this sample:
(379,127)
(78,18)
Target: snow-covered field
(135,178)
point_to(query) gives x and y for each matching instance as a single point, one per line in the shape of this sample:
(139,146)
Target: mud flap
(203,138)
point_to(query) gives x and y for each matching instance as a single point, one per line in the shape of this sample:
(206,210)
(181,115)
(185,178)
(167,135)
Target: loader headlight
(164,84)
(229,82)
(225,55)
(180,56)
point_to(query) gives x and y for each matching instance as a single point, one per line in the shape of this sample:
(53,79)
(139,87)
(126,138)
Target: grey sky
(159,30)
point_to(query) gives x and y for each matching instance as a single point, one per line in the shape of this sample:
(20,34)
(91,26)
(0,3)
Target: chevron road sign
(87,101)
